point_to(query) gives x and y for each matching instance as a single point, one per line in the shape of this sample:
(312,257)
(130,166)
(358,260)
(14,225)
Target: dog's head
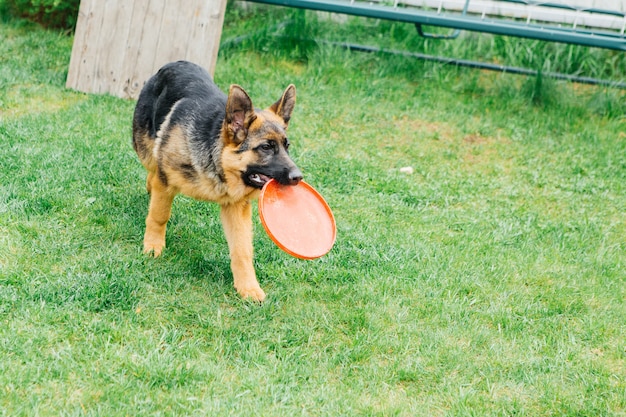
(260,138)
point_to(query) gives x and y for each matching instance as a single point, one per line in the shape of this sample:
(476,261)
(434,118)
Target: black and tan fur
(194,139)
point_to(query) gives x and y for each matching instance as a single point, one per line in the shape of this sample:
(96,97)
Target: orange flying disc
(297,219)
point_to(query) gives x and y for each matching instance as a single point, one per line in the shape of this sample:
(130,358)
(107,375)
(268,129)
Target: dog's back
(193,89)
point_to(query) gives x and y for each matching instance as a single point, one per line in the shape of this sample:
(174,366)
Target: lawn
(489,282)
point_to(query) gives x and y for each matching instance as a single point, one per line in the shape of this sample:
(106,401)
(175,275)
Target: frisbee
(297,219)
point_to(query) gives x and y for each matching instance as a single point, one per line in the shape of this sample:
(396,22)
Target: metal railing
(549,21)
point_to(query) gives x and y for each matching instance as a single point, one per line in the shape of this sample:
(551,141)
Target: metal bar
(477,64)
(455,34)
(497,27)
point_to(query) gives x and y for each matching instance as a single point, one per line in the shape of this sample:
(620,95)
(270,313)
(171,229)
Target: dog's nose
(295,175)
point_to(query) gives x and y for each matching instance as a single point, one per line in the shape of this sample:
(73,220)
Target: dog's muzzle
(286,177)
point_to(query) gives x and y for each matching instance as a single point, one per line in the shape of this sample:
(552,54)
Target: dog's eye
(266,146)
(287,144)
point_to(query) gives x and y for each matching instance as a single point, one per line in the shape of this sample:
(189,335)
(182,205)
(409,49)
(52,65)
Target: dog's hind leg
(161,198)
(237,223)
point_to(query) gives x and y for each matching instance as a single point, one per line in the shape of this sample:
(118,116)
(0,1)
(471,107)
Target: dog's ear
(285,105)
(239,114)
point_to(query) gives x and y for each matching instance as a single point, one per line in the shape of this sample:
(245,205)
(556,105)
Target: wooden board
(119,44)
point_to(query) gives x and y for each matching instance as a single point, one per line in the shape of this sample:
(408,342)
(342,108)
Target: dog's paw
(153,249)
(252,293)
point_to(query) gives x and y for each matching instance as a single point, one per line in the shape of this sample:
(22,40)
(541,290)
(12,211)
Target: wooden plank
(139,63)
(119,44)
(112,42)
(77,48)
(206,33)
(174,34)
(82,61)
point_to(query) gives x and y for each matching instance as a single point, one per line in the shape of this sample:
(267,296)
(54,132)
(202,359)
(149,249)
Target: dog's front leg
(161,198)
(237,223)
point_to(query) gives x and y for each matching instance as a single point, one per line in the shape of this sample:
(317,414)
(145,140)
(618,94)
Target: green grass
(490,282)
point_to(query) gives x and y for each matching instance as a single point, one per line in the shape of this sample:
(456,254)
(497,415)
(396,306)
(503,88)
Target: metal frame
(510,27)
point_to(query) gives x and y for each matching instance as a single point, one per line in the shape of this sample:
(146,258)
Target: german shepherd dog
(194,139)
